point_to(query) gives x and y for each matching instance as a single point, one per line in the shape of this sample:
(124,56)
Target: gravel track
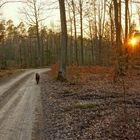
(19,98)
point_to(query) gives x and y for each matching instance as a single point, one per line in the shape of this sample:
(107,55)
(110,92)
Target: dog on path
(37,77)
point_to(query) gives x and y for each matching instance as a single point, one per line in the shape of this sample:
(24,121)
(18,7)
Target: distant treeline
(18,47)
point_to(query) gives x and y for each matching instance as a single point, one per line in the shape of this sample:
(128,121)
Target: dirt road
(18,100)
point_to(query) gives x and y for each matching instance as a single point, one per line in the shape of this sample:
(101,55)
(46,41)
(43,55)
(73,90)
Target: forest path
(18,101)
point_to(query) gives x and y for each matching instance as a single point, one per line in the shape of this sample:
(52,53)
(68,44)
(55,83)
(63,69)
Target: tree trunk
(75,34)
(111,25)
(81,30)
(117,25)
(38,42)
(126,20)
(63,51)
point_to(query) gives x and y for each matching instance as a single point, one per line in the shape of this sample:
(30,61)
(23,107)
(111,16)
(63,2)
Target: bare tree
(101,25)
(63,53)
(118,24)
(33,11)
(126,19)
(138,12)
(2,3)
(75,32)
(70,22)
(81,30)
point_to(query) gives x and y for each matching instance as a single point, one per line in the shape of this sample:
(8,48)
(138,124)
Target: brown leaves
(90,106)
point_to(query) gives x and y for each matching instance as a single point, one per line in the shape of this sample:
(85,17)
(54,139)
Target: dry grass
(82,73)
(8,72)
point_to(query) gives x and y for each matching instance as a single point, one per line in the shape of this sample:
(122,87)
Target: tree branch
(10,2)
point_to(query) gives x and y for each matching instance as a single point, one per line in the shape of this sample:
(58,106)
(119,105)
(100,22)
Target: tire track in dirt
(17,113)
(18,104)
(4,97)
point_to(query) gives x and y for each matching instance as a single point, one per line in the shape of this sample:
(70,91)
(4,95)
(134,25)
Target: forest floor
(89,106)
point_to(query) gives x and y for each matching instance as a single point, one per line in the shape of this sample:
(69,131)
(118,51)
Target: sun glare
(133,42)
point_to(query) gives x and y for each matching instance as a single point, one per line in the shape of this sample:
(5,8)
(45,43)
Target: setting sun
(69,69)
(133,41)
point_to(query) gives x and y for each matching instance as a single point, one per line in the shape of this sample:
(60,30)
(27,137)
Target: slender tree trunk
(95,42)
(117,25)
(75,34)
(112,24)
(71,36)
(71,44)
(20,54)
(81,30)
(38,36)
(126,20)
(42,49)
(91,38)
(100,36)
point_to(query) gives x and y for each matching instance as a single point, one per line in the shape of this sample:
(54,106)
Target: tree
(2,36)
(126,19)
(91,18)
(75,32)
(81,30)
(2,29)
(117,13)
(138,12)
(33,13)
(111,16)
(63,51)
(2,3)
(70,41)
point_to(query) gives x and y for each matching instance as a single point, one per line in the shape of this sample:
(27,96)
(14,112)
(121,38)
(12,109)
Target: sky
(12,11)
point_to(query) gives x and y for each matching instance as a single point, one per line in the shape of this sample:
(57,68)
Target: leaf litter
(89,106)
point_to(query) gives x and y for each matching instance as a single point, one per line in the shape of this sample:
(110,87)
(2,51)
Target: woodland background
(97,30)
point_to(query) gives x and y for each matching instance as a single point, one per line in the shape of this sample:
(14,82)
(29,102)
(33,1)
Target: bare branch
(10,2)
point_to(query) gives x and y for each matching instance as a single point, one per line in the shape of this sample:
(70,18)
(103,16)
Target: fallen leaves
(91,106)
